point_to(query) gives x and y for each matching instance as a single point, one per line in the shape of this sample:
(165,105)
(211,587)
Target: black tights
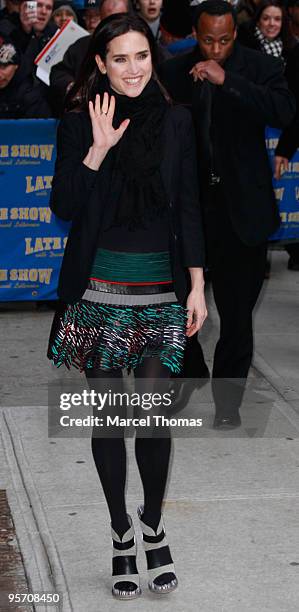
(152,455)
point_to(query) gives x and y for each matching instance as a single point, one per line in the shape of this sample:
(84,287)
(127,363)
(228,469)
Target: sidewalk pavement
(231,507)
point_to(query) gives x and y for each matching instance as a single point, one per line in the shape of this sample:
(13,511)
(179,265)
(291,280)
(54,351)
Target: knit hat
(64,4)
(66,7)
(86,4)
(9,54)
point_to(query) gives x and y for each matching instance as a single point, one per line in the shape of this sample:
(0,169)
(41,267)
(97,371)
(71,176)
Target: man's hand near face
(209,70)
(216,35)
(28,17)
(36,20)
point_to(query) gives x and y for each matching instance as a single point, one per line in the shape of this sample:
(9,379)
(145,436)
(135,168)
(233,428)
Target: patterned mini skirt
(128,312)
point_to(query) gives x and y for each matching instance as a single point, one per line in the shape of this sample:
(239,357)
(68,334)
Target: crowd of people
(269,26)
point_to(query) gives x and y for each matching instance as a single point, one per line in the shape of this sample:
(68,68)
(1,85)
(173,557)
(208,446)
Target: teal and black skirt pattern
(128,312)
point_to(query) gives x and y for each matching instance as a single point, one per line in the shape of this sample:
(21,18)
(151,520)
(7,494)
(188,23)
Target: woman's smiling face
(128,63)
(270,22)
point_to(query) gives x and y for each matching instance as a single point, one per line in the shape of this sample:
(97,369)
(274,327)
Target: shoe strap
(162,569)
(125,552)
(135,578)
(155,545)
(147,530)
(127,536)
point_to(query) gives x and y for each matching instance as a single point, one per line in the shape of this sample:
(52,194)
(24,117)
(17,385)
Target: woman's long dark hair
(89,78)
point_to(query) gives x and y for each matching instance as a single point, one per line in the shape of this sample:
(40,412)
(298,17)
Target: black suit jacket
(76,196)
(254,94)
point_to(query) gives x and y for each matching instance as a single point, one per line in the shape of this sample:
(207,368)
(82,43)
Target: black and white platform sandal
(160,567)
(125,577)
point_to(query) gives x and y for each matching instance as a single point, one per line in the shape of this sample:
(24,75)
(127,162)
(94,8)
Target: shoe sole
(162,592)
(124,598)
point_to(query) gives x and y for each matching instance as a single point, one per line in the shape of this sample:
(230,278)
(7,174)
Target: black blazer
(254,94)
(75,196)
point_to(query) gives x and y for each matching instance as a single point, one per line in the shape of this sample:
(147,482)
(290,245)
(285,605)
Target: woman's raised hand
(101,115)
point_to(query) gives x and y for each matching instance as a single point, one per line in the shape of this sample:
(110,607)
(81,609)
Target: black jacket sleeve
(73,181)
(65,72)
(268,98)
(191,220)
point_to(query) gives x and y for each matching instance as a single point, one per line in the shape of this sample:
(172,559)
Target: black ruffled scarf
(136,191)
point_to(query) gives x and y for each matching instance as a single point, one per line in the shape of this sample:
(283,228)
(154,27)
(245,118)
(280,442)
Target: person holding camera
(32,32)
(33,29)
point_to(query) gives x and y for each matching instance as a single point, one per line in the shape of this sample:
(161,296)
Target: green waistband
(131,267)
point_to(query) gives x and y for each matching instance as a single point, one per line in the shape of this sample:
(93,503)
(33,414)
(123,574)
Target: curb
(42,564)
(278,383)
